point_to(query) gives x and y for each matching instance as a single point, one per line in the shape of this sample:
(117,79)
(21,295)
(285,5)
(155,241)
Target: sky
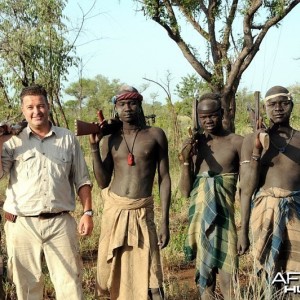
(119,43)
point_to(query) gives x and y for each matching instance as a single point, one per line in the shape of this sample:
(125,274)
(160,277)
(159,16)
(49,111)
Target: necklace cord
(131,152)
(282,149)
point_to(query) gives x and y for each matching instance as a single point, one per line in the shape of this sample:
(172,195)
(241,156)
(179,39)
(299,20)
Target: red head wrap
(130,95)
(127,92)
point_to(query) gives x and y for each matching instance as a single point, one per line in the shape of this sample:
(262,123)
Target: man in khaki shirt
(45,167)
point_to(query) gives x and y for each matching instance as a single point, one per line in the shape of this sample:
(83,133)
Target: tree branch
(228,26)
(176,37)
(192,21)
(265,28)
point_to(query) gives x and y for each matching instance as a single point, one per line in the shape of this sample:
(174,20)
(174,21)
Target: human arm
(85,226)
(187,168)
(83,186)
(102,168)
(1,149)
(249,182)
(3,139)
(164,183)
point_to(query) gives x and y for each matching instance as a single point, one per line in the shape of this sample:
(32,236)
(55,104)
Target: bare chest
(140,147)
(219,156)
(282,154)
(281,169)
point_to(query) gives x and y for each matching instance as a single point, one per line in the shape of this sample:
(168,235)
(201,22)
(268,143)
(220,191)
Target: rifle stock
(14,129)
(257,110)
(196,129)
(195,120)
(85,128)
(106,127)
(192,132)
(263,136)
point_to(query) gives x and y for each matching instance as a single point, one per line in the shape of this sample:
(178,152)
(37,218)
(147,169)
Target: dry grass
(179,275)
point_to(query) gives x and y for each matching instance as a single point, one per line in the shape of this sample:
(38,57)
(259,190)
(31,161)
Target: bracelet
(255,157)
(244,162)
(186,163)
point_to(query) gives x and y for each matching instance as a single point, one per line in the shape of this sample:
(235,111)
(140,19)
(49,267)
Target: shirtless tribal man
(129,264)
(209,173)
(273,176)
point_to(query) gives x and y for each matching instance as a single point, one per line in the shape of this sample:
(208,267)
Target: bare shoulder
(157,133)
(248,139)
(296,133)
(247,146)
(236,140)
(296,138)
(236,137)
(156,130)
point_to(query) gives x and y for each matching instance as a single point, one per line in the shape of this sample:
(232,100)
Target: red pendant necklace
(130,156)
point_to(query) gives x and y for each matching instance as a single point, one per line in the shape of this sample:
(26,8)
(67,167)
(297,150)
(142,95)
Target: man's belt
(43,216)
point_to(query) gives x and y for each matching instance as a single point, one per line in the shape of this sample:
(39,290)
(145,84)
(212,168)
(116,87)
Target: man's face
(128,109)
(35,109)
(210,115)
(279,109)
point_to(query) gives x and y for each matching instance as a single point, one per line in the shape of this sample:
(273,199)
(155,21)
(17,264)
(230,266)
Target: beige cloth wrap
(275,222)
(128,255)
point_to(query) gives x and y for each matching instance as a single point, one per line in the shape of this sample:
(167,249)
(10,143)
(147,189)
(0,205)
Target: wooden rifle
(258,123)
(105,126)
(14,129)
(193,132)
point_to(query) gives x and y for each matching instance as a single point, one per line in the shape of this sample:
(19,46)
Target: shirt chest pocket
(59,165)
(26,164)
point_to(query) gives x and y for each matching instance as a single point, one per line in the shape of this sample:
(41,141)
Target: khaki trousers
(31,238)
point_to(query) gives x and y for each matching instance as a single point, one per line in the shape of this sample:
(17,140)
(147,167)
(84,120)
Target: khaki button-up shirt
(43,173)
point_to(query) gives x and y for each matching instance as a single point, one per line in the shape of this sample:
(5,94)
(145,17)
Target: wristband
(244,162)
(186,163)
(255,157)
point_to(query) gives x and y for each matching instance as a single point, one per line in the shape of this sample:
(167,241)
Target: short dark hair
(33,90)
(276,90)
(211,96)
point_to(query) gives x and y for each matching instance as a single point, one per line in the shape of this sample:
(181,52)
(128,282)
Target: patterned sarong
(128,255)
(275,222)
(212,234)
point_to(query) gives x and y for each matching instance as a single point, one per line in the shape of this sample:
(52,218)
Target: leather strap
(43,216)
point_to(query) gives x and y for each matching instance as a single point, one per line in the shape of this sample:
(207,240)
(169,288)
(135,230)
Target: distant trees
(190,87)
(295,90)
(90,95)
(81,90)
(34,49)
(230,34)
(86,96)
